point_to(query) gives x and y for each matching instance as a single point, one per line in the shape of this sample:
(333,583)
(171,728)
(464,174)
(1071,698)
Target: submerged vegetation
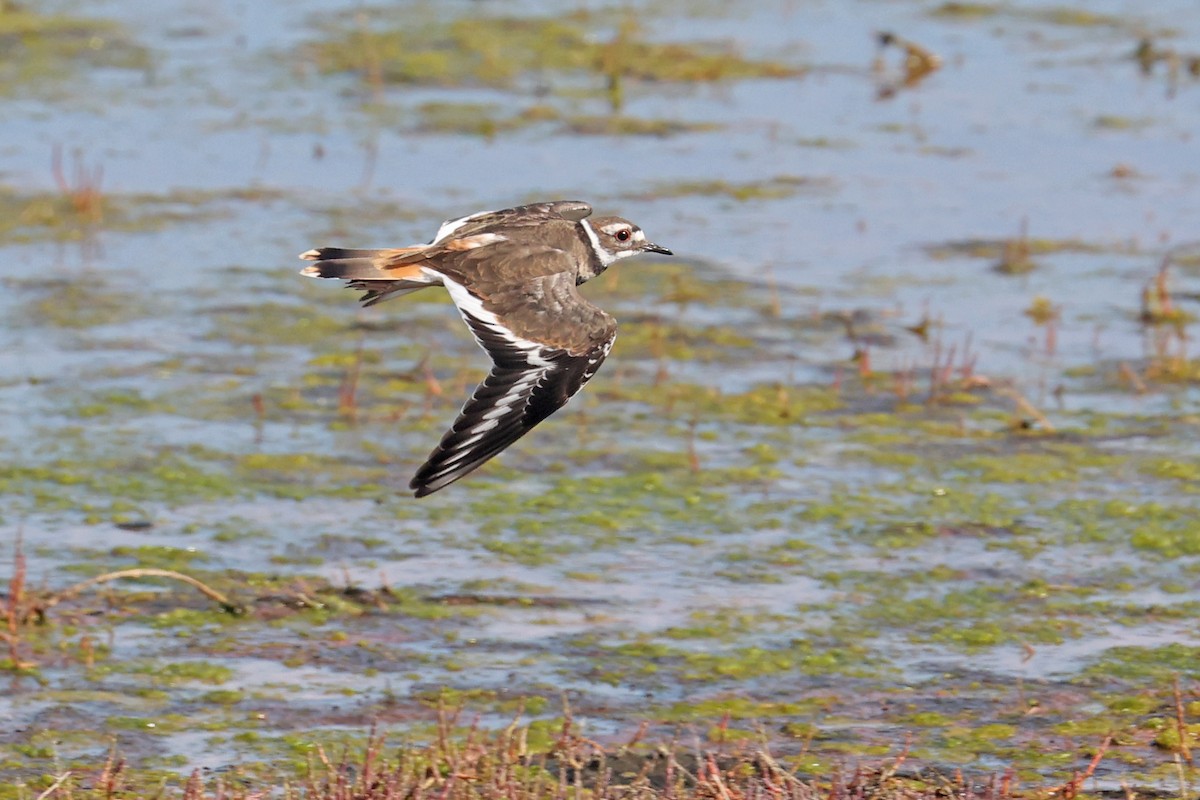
(80,208)
(1052,14)
(504,51)
(933,523)
(45,51)
(560,61)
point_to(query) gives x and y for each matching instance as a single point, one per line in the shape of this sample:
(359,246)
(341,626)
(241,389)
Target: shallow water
(738,511)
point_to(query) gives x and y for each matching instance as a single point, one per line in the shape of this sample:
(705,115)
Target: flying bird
(513,275)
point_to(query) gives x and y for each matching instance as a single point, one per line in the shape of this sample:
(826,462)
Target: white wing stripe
(502,409)
(480,240)
(466,444)
(488,423)
(471,306)
(451,225)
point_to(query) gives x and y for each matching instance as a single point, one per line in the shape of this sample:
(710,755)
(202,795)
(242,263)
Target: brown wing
(545,342)
(532,214)
(383,274)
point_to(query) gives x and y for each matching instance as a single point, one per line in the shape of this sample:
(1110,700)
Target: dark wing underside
(540,361)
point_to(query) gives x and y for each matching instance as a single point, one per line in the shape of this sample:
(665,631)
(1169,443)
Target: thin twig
(1185,793)
(14,610)
(1185,749)
(1071,788)
(1028,408)
(714,776)
(145,572)
(59,781)
(1132,377)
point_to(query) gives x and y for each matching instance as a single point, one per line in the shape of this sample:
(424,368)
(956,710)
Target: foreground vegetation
(813,532)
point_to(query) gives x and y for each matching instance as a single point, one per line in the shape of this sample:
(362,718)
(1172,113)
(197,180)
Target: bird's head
(620,238)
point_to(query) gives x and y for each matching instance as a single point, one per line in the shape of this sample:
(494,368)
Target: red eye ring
(624,234)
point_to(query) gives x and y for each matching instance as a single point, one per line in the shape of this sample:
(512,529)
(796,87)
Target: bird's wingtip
(311,255)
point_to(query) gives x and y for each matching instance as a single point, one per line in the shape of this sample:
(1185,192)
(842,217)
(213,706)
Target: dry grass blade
(14,610)
(482,765)
(143,572)
(83,192)
(348,390)
(1070,789)
(1029,409)
(1185,750)
(53,788)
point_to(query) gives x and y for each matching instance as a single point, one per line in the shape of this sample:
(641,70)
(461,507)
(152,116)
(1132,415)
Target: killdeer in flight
(513,275)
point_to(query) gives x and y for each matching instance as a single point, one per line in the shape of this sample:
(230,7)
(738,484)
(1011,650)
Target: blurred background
(902,443)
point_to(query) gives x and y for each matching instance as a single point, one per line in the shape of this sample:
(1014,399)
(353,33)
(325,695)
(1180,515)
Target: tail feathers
(331,253)
(400,263)
(378,291)
(379,274)
(355,268)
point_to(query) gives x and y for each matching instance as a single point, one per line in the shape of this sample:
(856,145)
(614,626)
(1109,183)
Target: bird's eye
(624,234)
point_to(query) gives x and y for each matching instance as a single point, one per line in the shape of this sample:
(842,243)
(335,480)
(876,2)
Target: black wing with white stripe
(529,381)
